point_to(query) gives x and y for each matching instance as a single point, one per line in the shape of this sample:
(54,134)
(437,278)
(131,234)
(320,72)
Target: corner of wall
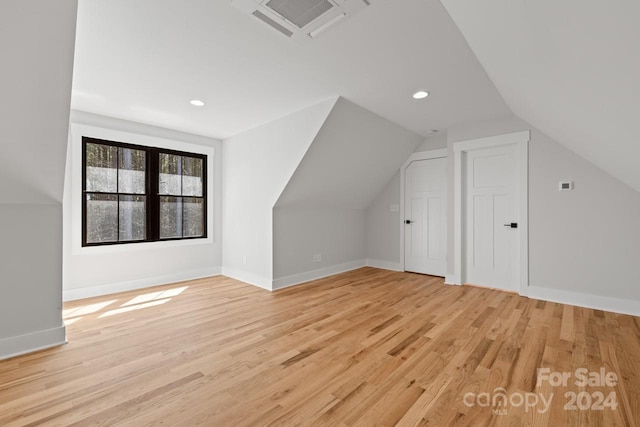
(32,342)
(384,265)
(257,166)
(249,278)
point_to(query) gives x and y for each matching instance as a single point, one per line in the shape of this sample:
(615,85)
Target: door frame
(521,141)
(421,155)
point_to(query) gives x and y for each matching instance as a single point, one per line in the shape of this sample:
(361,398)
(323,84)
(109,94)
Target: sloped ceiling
(353,156)
(34,105)
(570,68)
(143,60)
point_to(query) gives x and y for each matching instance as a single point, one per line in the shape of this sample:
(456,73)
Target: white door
(490,228)
(425,217)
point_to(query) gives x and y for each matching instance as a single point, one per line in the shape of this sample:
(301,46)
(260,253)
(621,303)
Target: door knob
(512,225)
(407,221)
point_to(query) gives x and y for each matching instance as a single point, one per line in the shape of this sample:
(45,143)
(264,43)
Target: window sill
(140,246)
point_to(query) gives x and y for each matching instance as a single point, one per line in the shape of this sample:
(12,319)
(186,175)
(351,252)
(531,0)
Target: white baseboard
(616,305)
(385,265)
(296,279)
(450,280)
(112,288)
(247,277)
(34,341)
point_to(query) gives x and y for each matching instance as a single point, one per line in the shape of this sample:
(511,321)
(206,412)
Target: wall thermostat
(565,186)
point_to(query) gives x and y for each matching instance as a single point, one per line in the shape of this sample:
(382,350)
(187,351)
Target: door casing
(422,155)
(521,141)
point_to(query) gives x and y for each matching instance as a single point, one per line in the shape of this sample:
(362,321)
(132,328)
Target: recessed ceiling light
(421,94)
(197,103)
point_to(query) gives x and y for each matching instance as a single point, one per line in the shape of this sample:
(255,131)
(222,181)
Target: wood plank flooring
(368,347)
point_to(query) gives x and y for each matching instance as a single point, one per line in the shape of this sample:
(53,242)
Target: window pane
(131,174)
(132,218)
(102,218)
(170,169)
(191,176)
(193,217)
(102,168)
(170,217)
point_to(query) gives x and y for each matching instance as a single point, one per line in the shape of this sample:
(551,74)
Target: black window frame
(152,184)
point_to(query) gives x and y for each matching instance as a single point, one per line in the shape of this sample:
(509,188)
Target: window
(133,193)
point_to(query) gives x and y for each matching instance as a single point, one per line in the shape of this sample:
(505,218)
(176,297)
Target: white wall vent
(300,19)
(301,12)
(264,18)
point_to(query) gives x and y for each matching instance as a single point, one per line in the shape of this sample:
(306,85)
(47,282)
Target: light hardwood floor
(368,347)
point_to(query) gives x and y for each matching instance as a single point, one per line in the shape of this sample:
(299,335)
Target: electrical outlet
(244,259)
(565,186)
(317,258)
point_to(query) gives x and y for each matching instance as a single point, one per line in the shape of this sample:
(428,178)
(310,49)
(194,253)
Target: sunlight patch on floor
(134,307)
(169,293)
(151,299)
(85,309)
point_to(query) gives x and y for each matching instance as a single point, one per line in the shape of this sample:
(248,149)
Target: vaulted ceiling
(352,157)
(36,41)
(570,68)
(143,60)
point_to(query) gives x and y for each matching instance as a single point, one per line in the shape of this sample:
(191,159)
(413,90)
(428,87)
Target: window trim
(152,195)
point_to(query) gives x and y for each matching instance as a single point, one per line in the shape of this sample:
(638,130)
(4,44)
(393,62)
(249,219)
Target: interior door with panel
(425,217)
(491,223)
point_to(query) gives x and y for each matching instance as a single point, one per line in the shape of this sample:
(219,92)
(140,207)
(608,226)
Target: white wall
(31,285)
(338,235)
(436,141)
(257,166)
(584,242)
(93,271)
(323,208)
(353,156)
(37,43)
(383,225)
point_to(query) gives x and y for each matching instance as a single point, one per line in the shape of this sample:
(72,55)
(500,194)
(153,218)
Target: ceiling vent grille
(301,20)
(300,12)
(264,18)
